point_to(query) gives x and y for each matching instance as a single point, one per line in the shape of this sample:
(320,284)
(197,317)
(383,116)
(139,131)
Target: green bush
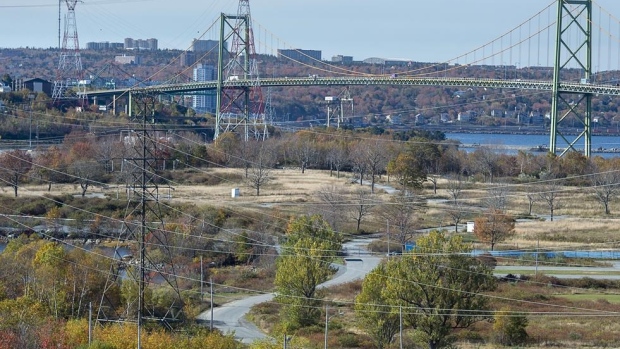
(509,329)
(348,340)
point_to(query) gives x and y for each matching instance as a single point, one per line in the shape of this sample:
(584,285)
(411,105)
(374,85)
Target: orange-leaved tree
(494,227)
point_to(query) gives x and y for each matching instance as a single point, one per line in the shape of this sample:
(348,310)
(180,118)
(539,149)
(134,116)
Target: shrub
(509,329)
(348,340)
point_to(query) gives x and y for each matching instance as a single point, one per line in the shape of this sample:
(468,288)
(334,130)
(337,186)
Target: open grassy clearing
(580,222)
(542,270)
(593,297)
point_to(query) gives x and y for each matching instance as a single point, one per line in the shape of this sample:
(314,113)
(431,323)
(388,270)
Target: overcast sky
(420,30)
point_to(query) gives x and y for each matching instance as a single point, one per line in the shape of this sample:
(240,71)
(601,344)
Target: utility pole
(211,325)
(400,310)
(388,237)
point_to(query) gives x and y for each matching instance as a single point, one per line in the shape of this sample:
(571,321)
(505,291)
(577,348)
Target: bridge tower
(239,107)
(69,72)
(573,51)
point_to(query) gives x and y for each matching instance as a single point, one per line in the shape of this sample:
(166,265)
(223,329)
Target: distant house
(466,116)
(497,113)
(419,119)
(38,85)
(4,88)
(394,119)
(536,118)
(444,117)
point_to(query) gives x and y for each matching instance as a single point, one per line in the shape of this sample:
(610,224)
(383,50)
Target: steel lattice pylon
(69,73)
(573,49)
(143,226)
(239,107)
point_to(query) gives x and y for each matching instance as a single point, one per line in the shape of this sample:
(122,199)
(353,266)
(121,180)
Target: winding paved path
(230,316)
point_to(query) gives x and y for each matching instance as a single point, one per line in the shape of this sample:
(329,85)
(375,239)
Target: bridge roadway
(185,88)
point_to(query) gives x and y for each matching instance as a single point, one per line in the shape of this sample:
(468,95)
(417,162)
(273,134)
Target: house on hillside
(497,113)
(4,88)
(419,119)
(394,119)
(467,116)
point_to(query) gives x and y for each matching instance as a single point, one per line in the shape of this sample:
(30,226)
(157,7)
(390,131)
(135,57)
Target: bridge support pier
(571,112)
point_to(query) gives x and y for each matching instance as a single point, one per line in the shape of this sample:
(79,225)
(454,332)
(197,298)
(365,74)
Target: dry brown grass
(291,191)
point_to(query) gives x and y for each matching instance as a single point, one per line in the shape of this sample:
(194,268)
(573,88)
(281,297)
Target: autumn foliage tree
(494,227)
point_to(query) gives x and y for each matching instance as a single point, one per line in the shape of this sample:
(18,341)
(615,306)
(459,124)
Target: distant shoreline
(515,130)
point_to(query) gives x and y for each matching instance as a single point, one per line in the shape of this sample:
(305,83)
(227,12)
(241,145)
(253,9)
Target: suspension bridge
(568,41)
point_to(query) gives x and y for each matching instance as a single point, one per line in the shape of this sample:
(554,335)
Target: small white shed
(470,227)
(235,192)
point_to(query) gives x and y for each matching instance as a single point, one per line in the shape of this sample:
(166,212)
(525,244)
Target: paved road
(230,316)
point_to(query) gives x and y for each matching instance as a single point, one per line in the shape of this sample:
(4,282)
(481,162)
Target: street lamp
(327,318)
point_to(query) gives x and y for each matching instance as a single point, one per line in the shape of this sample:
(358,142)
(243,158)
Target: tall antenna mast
(69,73)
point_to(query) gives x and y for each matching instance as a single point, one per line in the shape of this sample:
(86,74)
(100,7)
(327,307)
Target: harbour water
(607,146)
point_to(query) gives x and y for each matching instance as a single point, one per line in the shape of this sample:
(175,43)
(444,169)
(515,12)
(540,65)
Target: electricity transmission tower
(144,228)
(239,109)
(69,83)
(573,50)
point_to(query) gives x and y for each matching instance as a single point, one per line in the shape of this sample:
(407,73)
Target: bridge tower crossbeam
(573,49)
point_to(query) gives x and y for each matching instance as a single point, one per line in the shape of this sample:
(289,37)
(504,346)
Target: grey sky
(430,30)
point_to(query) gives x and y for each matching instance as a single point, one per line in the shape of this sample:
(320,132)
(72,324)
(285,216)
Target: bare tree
(497,198)
(337,156)
(373,152)
(85,173)
(484,161)
(260,170)
(106,149)
(358,161)
(14,165)
(400,213)
(361,205)
(332,205)
(455,211)
(531,194)
(455,187)
(549,192)
(606,186)
(304,150)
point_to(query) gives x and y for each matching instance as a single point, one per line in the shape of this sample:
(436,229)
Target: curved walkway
(230,317)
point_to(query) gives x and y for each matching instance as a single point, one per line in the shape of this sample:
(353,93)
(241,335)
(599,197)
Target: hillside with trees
(373,105)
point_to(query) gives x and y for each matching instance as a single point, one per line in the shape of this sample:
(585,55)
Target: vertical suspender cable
(538,35)
(548,36)
(609,43)
(598,66)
